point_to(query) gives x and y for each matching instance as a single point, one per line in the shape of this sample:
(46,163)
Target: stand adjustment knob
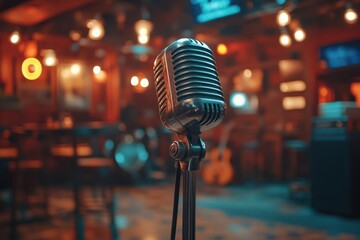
(178,150)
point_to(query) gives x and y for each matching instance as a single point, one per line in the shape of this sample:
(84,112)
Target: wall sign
(341,55)
(207,10)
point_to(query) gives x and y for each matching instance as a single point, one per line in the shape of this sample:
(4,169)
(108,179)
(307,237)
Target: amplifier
(335,166)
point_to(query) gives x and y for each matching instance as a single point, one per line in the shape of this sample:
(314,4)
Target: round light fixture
(15,37)
(283,18)
(285,40)
(350,16)
(299,34)
(31,68)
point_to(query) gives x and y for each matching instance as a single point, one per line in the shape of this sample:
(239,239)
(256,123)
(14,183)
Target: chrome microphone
(187,85)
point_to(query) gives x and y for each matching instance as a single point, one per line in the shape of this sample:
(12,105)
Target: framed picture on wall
(74,86)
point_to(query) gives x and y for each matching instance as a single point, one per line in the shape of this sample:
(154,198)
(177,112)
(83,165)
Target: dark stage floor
(249,211)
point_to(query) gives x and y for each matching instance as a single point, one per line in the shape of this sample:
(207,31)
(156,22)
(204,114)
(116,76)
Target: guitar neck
(225,137)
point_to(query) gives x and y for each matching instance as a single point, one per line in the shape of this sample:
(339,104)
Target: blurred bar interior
(83,154)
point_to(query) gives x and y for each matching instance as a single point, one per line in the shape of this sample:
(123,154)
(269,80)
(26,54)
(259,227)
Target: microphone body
(187,85)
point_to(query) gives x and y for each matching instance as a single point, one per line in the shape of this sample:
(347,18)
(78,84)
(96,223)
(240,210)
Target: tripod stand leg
(189,204)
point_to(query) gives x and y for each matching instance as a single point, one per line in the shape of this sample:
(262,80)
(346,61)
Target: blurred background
(83,154)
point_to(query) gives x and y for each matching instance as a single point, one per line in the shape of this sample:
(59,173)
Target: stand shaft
(176,202)
(188,151)
(189,205)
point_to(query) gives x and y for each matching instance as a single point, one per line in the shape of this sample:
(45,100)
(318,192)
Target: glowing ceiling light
(96,29)
(247,73)
(91,23)
(75,69)
(283,18)
(221,49)
(134,81)
(350,15)
(15,37)
(143,29)
(143,39)
(285,40)
(96,69)
(299,34)
(50,59)
(144,82)
(31,68)
(99,74)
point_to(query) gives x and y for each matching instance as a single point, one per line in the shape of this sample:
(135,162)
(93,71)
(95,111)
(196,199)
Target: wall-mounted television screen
(341,55)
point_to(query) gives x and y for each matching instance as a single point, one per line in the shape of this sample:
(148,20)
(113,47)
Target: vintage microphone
(190,101)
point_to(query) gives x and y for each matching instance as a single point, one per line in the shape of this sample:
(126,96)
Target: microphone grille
(195,72)
(160,86)
(212,113)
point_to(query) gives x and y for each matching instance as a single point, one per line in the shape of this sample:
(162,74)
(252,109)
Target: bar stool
(25,173)
(294,164)
(252,160)
(295,168)
(81,148)
(8,154)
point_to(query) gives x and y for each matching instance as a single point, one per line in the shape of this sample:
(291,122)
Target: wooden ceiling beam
(30,13)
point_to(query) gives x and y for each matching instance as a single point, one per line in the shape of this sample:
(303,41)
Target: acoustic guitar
(218,170)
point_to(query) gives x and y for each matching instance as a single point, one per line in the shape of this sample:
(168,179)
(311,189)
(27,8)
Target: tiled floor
(255,212)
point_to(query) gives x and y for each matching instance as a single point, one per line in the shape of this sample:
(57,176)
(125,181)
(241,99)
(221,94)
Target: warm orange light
(31,68)
(15,37)
(96,69)
(293,86)
(101,76)
(247,73)
(325,94)
(324,91)
(285,40)
(350,16)
(75,35)
(222,49)
(96,29)
(355,90)
(143,39)
(293,103)
(75,69)
(31,49)
(283,18)
(134,81)
(50,59)
(299,34)
(144,83)
(143,29)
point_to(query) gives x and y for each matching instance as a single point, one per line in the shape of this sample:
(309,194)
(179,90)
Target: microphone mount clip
(189,150)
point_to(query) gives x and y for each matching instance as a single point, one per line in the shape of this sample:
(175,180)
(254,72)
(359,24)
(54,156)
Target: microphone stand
(188,152)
